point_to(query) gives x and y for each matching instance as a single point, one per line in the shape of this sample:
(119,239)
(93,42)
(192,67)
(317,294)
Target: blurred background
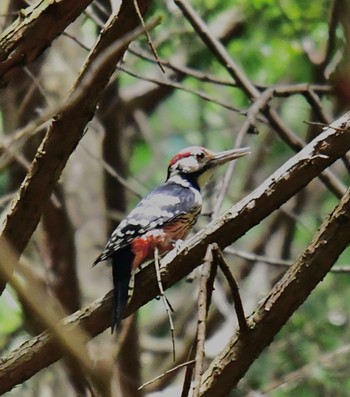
(300,50)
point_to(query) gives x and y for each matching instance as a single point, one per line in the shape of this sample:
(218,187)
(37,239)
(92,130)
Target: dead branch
(179,366)
(169,84)
(251,257)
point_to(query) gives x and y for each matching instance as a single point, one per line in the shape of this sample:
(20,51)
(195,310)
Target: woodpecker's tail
(121,268)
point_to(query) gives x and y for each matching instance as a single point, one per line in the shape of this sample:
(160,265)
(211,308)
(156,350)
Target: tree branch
(287,295)
(33,31)
(68,127)
(38,353)
(250,90)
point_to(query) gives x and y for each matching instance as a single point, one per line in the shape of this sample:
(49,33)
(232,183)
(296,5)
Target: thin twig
(248,125)
(138,12)
(280,90)
(251,257)
(243,326)
(183,69)
(111,171)
(77,41)
(179,86)
(166,373)
(167,306)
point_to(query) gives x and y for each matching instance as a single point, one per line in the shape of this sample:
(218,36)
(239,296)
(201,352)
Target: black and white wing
(163,205)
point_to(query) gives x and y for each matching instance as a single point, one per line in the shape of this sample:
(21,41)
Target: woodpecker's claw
(178,245)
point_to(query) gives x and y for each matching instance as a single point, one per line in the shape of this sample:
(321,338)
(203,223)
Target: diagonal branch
(250,90)
(242,322)
(37,353)
(34,30)
(291,177)
(287,295)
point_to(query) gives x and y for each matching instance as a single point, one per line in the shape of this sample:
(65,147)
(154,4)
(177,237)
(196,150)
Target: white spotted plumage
(163,205)
(164,216)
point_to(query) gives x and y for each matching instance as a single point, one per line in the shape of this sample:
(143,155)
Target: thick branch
(60,254)
(270,195)
(234,223)
(67,129)
(286,296)
(34,30)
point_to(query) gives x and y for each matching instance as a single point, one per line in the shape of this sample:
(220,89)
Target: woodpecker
(161,218)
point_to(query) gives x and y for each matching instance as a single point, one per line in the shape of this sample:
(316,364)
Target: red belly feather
(143,247)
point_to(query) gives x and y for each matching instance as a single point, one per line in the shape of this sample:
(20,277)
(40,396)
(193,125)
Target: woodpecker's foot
(177,245)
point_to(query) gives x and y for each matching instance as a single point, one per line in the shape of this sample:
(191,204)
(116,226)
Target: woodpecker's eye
(200,155)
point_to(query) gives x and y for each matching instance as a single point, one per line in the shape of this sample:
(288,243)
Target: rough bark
(38,353)
(286,296)
(33,31)
(60,254)
(65,132)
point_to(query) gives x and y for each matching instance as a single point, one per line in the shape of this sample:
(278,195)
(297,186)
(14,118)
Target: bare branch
(242,81)
(287,295)
(68,128)
(38,353)
(169,371)
(35,25)
(151,46)
(243,326)
(203,306)
(249,256)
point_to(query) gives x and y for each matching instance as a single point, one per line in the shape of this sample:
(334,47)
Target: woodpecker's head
(196,163)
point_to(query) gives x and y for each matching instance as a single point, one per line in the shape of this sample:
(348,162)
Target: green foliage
(272,49)
(10,316)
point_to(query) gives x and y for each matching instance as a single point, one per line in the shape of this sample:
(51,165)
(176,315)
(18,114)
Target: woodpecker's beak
(228,155)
